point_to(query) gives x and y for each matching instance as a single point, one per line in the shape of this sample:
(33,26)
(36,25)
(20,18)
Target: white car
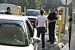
(32,15)
(16,33)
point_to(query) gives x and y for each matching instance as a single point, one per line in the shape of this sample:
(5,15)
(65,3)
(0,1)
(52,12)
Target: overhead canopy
(61,7)
(3,7)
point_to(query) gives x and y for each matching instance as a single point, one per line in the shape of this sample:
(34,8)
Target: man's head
(8,9)
(52,10)
(42,11)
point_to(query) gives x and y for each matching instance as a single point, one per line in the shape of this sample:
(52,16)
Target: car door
(31,34)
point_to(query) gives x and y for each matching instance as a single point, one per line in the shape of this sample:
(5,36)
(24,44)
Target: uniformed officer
(70,25)
(51,25)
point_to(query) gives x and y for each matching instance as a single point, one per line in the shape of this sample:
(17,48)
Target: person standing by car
(70,25)
(8,11)
(41,27)
(51,25)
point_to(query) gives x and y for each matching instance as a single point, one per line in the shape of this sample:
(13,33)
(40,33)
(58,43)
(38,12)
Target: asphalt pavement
(64,40)
(48,46)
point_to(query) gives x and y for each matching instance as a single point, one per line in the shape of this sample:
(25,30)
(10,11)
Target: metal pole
(18,2)
(40,4)
(5,1)
(65,15)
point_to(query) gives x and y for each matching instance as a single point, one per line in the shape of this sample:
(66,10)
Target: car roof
(13,17)
(2,10)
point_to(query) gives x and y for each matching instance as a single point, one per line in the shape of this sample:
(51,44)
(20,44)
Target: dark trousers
(41,30)
(69,38)
(51,28)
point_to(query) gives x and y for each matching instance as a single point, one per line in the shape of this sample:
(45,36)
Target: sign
(64,2)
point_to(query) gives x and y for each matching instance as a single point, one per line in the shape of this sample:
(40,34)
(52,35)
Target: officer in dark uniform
(51,25)
(70,24)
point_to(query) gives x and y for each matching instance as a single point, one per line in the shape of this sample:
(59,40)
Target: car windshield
(33,13)
(12,34)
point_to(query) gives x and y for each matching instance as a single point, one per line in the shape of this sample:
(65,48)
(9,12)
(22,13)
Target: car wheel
(36,46)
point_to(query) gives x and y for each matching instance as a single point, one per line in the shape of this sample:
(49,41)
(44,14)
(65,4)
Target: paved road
(64,39)
(72,47)
(48,46)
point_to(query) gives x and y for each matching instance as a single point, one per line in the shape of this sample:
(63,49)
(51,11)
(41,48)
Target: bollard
(18,11)
(59,28)
(59,31)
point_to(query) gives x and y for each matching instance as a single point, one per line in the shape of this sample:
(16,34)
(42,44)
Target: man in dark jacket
(70,25)
(51,25)
(8,11)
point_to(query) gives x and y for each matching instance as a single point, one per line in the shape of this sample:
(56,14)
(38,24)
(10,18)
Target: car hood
(35,17)
(30,47)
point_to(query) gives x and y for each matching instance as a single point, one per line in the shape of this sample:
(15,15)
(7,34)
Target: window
(12,34)
(33,13)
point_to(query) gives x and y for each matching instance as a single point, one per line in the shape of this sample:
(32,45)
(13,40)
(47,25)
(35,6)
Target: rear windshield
(33,13)
(12,34)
